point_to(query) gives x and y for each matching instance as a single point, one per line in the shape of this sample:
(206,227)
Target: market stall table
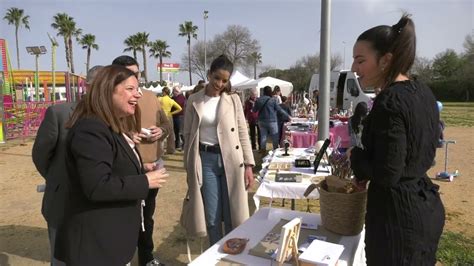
(259,224)
(288,190)
(308,138)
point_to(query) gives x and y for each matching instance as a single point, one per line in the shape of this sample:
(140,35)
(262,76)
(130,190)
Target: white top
(132,145)
(278,98)
(208,127)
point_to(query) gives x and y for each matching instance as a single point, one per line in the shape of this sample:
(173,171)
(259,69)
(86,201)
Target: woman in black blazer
(107,180)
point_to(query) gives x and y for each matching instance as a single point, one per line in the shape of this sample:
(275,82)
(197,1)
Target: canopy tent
(156,89)
(285,86)
(238,78)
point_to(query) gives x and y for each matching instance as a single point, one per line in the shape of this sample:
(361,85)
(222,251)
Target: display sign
(168,67)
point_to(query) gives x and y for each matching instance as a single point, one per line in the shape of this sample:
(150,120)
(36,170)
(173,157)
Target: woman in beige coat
(217,157)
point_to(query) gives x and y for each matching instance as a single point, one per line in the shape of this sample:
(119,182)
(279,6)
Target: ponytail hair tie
(397,28)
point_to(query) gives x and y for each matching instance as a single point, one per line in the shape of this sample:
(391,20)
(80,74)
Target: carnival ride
(20,114)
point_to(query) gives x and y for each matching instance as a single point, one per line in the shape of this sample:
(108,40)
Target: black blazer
(103,218)
(49,157)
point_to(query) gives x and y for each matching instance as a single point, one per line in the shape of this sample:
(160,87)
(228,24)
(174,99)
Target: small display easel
(290,233)
(319,156)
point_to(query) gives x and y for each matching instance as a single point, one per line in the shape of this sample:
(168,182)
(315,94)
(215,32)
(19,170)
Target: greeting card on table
(322,253)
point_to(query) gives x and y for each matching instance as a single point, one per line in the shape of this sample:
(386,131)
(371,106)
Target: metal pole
(344,66)
(53,66)
(324,75)
(37,78)
(205,42)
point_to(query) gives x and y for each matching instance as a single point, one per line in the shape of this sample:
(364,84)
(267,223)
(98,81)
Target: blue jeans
(268,128)
(215,196)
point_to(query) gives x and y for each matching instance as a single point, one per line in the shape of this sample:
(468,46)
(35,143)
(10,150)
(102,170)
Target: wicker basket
(342,213)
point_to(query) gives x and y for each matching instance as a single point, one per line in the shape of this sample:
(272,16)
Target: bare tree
(312,62)
(237,43)
(197,58)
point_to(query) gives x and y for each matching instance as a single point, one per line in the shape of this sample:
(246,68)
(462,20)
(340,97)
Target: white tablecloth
(287,190)
(257,226)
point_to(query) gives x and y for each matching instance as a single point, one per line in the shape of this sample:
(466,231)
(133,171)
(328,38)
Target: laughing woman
(405,215)
(102,218)
(217,157)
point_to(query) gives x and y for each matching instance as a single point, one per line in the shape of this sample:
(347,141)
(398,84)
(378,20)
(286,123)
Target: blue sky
(287,30)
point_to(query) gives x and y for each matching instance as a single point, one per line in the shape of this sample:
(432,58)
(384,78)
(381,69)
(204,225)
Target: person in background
(441,125)
(267,109)
(356,125)
(315,99)
(153,119)
(178,118)
(306,101)
(252,118)
(217,157)
(282,119)
(171,108)
(107,181)
(405,215)
(277,94)
(49,157)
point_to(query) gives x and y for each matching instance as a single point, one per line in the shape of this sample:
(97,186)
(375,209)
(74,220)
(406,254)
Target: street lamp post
(344,64)
(205,42)
(36,51)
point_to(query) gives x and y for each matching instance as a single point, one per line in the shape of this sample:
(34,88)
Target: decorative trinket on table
(235,245)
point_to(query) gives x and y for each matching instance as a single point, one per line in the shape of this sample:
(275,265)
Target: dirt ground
(24,238)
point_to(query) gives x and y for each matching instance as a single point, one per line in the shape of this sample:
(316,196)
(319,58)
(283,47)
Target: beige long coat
(236,153)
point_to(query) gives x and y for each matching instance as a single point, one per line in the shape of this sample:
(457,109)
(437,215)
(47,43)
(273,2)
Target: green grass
(455,249)
(458,114)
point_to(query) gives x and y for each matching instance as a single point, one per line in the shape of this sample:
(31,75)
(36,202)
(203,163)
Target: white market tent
(238,78)
(285,86)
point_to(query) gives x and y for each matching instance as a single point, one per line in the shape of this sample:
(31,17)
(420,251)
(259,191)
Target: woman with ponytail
(356,125)
(405,215)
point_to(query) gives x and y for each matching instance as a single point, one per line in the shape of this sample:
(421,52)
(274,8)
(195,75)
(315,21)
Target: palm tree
(66,27)
(189,30)
(255,58)
(142,39)
(88,42)
(16,17)
(158,49)
(132,45)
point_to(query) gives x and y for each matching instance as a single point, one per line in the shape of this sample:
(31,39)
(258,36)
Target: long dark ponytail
(360,112)
(399,40)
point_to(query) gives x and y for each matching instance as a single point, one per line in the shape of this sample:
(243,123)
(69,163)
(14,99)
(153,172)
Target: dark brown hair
(165,91)
(223,63)
(98,101)
(399,40)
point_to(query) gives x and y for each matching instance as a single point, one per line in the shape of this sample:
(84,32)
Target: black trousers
(403,223)
(254,131)
(145,239)
(178,134)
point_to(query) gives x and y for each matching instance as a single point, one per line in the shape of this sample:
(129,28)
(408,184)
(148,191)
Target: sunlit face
(218,80)
(175,92)
(366,65)
(125,97)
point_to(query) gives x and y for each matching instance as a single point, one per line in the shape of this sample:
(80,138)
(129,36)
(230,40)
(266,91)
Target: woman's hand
(155,133)
(137,138)
(149,167)
(248,177)
(359,185)
(157,178)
